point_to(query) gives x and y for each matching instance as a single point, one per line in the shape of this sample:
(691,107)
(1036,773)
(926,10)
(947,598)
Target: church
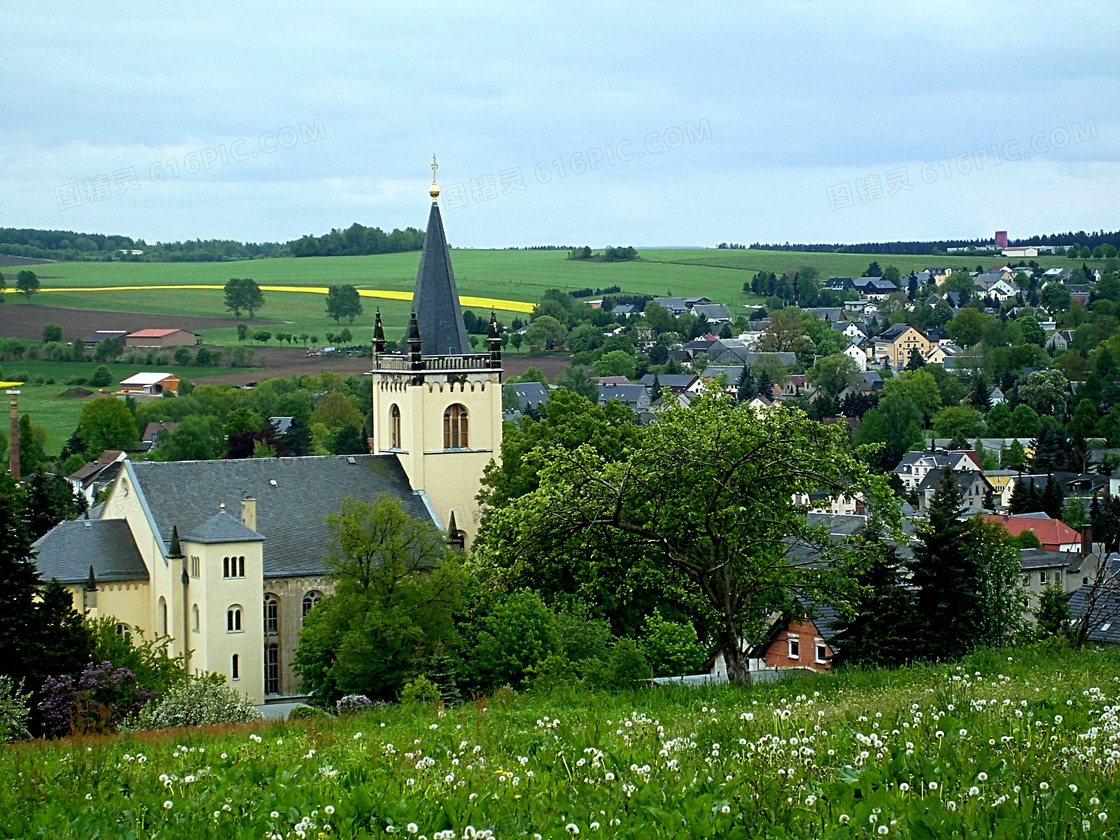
(227,557)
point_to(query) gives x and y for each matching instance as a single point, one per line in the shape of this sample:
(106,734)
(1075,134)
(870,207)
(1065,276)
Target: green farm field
(59,414)
(521,276)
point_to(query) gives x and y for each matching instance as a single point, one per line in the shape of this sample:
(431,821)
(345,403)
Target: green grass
(1009,744)
(509,275)
(58,414)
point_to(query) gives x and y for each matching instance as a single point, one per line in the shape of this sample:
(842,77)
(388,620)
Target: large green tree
(711,500)
(398,591)
(947,571)
(106,423)
(343,302)
(243,293)
(27,283)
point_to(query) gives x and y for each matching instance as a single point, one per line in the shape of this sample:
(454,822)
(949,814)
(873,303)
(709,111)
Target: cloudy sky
(562,123)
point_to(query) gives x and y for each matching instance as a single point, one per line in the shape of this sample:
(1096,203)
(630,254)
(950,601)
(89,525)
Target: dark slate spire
(436,300)
(378,333)
(175,552)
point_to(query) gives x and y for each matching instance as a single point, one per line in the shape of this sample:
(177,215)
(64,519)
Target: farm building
(151,383)
(161,338)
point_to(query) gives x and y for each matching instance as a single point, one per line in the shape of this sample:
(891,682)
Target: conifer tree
(885,631)
(1053,498)
(748,387)
(947,573)
(18,581)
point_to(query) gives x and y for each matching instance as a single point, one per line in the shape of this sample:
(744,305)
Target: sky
(566,123)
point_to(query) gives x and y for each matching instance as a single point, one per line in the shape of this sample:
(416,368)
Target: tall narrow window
(233,619)
(310,600)
(235,667)
(455,427)
(271,615)
(272,669)
(194,618)
(395,427)
(225,568)
(163,615)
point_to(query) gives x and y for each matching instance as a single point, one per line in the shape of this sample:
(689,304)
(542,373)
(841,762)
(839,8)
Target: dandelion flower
(572,828)
(1044,786)
(357,735)
(412,828)
(168,804)
(883,829)
(726,809)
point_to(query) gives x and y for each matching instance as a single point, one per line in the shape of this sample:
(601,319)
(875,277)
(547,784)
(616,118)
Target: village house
(894,345)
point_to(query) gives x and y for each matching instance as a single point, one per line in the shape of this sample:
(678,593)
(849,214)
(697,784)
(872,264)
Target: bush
(99,699)
(421,690)
(671,647)
(101,377)
(200,701)
(14,710)
(309,713)
(626,668)
(353,703)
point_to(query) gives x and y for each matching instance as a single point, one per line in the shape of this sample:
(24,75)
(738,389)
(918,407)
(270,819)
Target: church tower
(437,406)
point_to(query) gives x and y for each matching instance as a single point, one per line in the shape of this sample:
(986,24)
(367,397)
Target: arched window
(163,615)
(455,427)
(271,615)
(233,619)
(271,669)
(235,667)
(194,617)
(394,427)
(124,630)
(233,567)
(310,600)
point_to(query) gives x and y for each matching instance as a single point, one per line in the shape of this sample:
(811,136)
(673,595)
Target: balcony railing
(465,362)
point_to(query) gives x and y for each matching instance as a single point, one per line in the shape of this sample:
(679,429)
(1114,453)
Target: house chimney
(13,447)
(1087,539)
(249,513)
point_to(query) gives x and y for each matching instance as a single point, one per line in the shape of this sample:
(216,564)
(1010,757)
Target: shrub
(671,647)
(14,710)
(553,672)
(200,701)
(99,699)
(626,668)
(421,690)
(353,703)
(101,377)
(309,713)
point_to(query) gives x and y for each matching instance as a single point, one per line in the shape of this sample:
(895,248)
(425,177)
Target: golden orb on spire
(433,190)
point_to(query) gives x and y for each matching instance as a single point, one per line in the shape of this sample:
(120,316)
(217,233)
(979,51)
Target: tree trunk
(736,659)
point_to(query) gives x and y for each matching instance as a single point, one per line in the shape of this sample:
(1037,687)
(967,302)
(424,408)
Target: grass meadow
(1012,744)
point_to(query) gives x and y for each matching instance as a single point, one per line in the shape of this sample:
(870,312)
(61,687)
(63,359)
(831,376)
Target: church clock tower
(437,406)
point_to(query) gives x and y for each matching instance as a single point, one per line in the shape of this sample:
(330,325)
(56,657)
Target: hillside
(1014,743)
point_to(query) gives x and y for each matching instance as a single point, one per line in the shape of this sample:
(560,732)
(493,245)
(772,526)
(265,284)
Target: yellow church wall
(215,644)
(126,602)
(124,503)
(449,477)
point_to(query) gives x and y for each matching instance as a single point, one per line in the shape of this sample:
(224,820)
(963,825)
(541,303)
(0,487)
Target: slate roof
(68,550)
(531,394)
(632,395)
(294,496)
(668,380)
(221,528)
(436,299)
(733,373)
(712,311)
(1104,623)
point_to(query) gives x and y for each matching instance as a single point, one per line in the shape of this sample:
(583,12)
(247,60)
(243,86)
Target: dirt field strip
(478,302)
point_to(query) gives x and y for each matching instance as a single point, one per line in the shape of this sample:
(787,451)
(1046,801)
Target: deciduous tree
(707,500)
(343,302)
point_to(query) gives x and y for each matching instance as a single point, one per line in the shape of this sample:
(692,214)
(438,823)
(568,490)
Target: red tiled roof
(154,333)
(1052,533)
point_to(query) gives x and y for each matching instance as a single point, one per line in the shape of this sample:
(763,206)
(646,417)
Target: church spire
(436,300)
